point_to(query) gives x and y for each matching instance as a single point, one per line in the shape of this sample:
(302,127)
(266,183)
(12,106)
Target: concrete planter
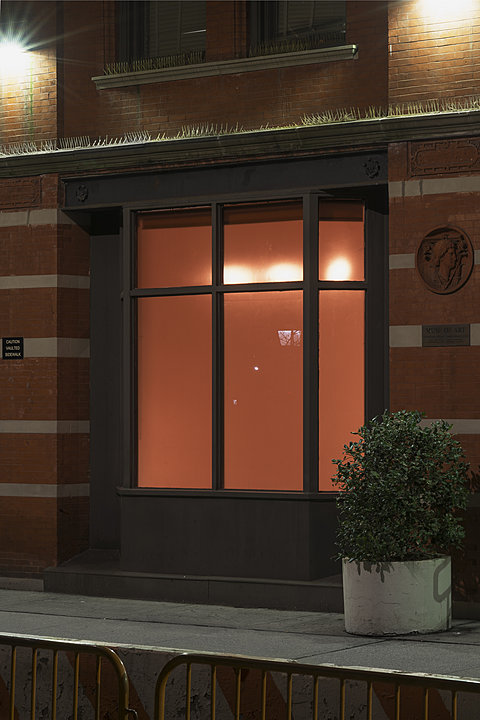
(396,598)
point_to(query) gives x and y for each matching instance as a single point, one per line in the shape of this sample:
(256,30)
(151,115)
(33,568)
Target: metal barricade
(367,680)
(74,652)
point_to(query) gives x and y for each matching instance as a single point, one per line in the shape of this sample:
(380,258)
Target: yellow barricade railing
(75,655)
(395,704)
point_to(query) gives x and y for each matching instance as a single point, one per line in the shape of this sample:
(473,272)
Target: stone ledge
(227,67)
(84,578)
(245,147)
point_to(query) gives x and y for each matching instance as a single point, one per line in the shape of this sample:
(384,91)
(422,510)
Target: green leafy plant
(402,484)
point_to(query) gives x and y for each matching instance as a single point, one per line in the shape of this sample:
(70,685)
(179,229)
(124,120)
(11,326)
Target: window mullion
(129,352)
(376,313)
(217,350)
(310,344)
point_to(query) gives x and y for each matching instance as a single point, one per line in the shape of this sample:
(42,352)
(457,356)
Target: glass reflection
(263,243)
(237,274)
(281,272)
(284,272)
(341,241)
(339,269)
(290,338)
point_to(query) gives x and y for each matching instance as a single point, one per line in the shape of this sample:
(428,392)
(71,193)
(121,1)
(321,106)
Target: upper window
(244,313)
(149,29)
(293,25)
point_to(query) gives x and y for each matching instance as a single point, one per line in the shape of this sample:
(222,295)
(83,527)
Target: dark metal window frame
(131,23)
(263,20)
(375,361)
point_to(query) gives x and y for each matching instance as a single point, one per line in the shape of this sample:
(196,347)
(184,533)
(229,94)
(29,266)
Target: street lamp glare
(13,57)
(446,10)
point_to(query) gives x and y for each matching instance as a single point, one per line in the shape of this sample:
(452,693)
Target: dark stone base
(99,573)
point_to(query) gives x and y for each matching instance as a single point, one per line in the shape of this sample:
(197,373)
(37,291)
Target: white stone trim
(402,261)
(433,186)
(461,426)
(34,216)
(46,490)
(405,336)
(47,427)
(56,347)
(474,333)
(17,282)
(227,67)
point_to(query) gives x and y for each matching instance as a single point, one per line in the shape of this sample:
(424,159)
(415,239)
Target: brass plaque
(445,335)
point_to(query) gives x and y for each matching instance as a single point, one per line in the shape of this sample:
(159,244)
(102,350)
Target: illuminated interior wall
(341,375)
(263,244)
(174,391)
(263,391)
(263,349)
(174,352)
(260,333)
(341,360)
(174,249)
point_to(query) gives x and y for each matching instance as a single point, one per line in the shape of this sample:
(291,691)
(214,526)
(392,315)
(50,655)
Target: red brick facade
(404,56)
(434,50)
(443,382)
(249,99)
(40,251)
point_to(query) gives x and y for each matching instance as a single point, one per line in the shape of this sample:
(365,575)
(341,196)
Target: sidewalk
(166,628)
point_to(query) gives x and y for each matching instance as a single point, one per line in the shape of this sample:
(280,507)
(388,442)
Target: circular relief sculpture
(445,259)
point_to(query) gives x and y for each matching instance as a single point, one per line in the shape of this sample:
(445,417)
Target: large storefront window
(225,295)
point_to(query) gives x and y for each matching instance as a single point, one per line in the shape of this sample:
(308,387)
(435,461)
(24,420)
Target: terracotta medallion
(445,259)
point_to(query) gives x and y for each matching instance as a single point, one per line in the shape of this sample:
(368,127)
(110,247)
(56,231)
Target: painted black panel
(105,389)
(219,182)
(228,536)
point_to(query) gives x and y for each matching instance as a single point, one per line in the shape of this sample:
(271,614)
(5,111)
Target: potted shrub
(402,484)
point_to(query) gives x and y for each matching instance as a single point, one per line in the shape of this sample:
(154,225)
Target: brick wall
(253,99)
(44,259)
(428,56)
(28,107)
(89,45)
(227,35)
(44,449)
(443,382)
(434,50)
(35,107)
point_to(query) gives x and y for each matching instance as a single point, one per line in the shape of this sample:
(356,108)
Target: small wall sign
(12,348)
(445,335)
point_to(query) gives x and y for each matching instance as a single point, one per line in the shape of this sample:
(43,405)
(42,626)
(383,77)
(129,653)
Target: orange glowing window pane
(263,391)
(174,391)
(263,243)
(341,241)
(341,375)
(174,248)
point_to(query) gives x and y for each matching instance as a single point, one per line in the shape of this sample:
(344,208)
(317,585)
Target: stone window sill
(227,67)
